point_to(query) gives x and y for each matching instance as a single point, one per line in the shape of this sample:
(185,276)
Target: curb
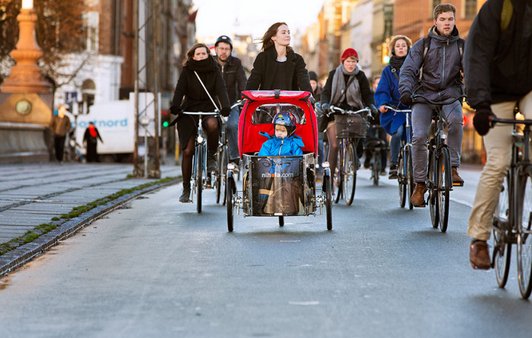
(25,253)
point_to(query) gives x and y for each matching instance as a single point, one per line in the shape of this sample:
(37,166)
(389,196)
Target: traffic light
(165,118)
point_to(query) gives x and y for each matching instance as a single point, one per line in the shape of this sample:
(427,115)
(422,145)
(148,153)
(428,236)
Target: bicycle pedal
(458,184)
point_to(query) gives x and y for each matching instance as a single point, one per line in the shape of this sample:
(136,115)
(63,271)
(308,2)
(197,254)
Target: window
(265,113)
(470,9)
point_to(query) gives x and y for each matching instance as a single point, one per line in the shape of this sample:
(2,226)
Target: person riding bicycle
(191,96)
(387,93)
(498,75)
(278,66)
(284,142)
(432,70)
(347,87)
(235,82)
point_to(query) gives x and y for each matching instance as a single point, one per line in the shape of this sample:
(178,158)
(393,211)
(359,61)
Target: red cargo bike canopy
(259,108)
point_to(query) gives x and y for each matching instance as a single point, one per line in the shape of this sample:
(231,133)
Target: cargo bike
(277,186)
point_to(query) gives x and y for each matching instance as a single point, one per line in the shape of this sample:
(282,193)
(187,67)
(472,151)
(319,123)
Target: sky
(230,17)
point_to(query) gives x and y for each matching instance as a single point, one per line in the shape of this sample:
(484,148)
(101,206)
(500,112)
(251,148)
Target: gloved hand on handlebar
(177,112)
(325,108)
(482,120)
(225,111)
(406,98)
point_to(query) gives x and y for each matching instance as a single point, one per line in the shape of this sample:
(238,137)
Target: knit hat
(349,52)
(313,76)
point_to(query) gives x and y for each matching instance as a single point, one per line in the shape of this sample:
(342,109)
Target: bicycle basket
(349,126)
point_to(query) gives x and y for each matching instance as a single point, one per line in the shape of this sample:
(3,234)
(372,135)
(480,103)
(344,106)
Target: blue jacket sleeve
(383,93)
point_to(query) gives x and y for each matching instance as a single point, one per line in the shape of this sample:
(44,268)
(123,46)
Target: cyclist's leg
(186,168)
(453,115)
(321,153)
(421,120)
(498,143)
(395,145)
(384,150)
(333,146)
(231,129)
(211,126)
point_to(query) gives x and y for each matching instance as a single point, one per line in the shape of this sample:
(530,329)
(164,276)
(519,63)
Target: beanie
(349,52)
(313,76)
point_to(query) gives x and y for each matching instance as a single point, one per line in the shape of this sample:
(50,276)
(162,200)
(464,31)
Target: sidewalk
(33,197)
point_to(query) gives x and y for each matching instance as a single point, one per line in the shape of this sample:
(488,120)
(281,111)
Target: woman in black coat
(278,66)
(189,95)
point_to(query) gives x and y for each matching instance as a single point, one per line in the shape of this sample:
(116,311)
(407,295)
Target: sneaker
(212,164)
(457,180)
(185,196)
(392,175)
(418,196)
(479,255)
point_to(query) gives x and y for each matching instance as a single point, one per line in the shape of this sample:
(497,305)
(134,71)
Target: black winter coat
(234,78)
(442,78)
(497,62)
(189,95)
(265,68)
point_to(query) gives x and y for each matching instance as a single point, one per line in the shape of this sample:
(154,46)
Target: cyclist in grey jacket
(432,70)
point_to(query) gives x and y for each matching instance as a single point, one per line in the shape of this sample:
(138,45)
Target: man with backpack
(498,76)
(432,70)
(235,82)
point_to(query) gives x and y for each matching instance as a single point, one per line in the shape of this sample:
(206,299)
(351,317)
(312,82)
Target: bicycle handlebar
(397,110)
(496,120)
(333,109)
(201,113)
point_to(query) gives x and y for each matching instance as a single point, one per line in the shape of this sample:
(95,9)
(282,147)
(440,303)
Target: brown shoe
(457,180)
(479,255)
(418,196)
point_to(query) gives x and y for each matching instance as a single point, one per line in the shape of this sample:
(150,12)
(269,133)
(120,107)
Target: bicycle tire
(502,246)
(230,190)
(220,176)
(281,221)
(338,185)
(432,177)
(409,176)
(523,194)
(199,180)
(376,168)
(350,174)
(401,177)
(445,184)
(327,189)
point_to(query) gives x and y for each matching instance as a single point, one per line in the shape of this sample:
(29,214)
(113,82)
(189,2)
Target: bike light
(199,139)
(230,166)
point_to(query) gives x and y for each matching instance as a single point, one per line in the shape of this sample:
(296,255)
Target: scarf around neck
(352,93)
(397,62)
(202,66)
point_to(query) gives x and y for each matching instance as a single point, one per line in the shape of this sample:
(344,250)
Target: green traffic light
(165,124)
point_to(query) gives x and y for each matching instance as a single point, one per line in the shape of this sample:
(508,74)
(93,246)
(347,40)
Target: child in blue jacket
(283,142)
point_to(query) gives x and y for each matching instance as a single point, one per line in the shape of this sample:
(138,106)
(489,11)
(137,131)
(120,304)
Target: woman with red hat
(347,87)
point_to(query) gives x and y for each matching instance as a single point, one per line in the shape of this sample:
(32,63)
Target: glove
(175,110)
(482,120)
(225,111)
(325,108)
(374,114)
(406,98)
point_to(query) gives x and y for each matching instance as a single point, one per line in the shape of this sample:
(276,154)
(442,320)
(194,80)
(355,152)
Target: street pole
(136,166)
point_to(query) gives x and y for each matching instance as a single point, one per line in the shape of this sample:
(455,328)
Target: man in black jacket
(498,76)
(235,82)
(432,70)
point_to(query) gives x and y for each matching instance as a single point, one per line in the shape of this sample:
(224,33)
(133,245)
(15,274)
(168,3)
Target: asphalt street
(157,268)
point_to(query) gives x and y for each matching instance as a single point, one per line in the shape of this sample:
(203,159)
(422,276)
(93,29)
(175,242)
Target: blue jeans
(395,144)
(321,152)
(231,130)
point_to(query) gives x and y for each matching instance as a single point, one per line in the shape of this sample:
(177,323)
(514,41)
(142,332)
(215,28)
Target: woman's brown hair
(192,50)
(396,38)
(267,41)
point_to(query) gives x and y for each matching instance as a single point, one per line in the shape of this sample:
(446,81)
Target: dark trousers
(92,152)
(59,145)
